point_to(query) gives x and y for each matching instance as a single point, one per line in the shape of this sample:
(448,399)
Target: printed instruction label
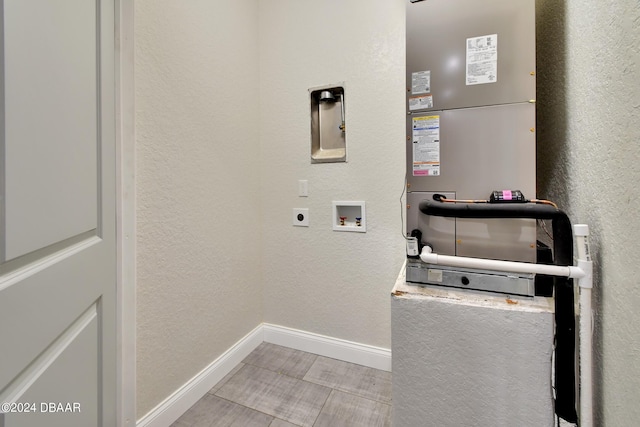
(420,82)
(426,146)
(420,102)
(482,60)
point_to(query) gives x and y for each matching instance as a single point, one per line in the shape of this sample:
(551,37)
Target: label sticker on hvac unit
(426,145)
(482,60)
(420,102)
(420,82)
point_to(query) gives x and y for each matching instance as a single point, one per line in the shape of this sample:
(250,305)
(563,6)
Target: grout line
(384,402)
(226,379)
(251,409)
(332,388)
(323,405)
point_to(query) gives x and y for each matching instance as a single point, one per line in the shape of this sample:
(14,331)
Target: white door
(57,213)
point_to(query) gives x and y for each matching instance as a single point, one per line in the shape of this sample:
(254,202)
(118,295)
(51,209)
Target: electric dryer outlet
(301,217)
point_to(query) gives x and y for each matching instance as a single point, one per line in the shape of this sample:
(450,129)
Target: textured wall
(588,151)
(199,285)
(316,279)
(468,359)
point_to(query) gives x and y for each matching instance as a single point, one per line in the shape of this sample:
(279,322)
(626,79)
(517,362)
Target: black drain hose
(565,381)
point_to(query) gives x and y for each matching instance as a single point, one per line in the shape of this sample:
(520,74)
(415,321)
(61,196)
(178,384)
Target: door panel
(48,302)
(57,222)
(51,106)
(76,352)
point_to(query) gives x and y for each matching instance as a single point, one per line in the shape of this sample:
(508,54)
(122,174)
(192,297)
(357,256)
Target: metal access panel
(473,151)
(468,53)
(505,239)
(466,278)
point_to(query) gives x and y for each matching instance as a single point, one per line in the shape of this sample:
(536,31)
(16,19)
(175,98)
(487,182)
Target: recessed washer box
(328,128)
(349,216)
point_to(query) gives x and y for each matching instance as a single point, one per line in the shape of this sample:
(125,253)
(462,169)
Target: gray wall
(461,359)
(199,284)
(316,279)
(222,138)
(588,152)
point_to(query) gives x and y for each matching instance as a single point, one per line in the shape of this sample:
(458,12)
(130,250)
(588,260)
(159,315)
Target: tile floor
(280,387)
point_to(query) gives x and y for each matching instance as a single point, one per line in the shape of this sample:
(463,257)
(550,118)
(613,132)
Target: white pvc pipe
(586,362)
(491,264)
(584,275)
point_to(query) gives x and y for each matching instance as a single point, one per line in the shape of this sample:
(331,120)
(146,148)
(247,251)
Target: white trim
(186,396)
(47,261)
(348,351)
(125,215)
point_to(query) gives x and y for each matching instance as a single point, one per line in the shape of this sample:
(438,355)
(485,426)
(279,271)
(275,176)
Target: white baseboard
(186,396)
(348,351)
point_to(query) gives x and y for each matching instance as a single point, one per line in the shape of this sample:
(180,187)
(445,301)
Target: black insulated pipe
(565,381)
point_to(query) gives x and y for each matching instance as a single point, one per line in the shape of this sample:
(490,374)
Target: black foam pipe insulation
(565,381)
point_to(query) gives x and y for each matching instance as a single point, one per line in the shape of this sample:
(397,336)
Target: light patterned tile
(281,423)
(226,378)
(281,396)
(212,411)
(348,410)
(248,418)
(283,360)
(361,380)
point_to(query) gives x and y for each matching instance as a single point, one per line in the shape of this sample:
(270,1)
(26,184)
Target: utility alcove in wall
(328,131)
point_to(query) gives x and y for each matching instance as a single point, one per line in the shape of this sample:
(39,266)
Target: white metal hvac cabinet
(471,119)
(463,357)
